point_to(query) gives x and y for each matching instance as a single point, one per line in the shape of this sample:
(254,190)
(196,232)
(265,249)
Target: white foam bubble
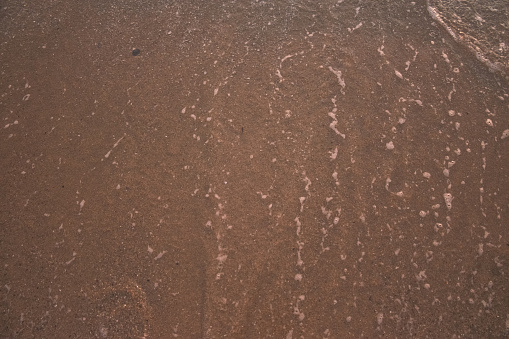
(505,134)
(334,154)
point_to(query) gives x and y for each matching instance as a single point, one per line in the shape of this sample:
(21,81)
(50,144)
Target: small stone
(136,52)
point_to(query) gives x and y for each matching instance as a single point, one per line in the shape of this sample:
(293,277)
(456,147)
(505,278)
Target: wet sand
(480,26)
(249,169)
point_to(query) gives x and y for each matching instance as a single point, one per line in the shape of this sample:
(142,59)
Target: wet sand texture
(480,26)
(251,169)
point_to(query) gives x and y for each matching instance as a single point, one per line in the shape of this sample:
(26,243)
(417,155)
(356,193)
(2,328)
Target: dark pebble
(136,52)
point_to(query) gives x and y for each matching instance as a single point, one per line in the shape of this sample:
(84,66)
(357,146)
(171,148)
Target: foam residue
(334,123)
(298,224)
(296,308)
(339,75)
(505,134)
(492,66)
(334,154)
(114,145)
(448,200)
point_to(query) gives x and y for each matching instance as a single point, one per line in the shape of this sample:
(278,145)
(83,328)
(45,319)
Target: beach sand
(253,169)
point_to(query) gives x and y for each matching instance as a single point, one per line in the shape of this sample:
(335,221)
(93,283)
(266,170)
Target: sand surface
(251,169)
